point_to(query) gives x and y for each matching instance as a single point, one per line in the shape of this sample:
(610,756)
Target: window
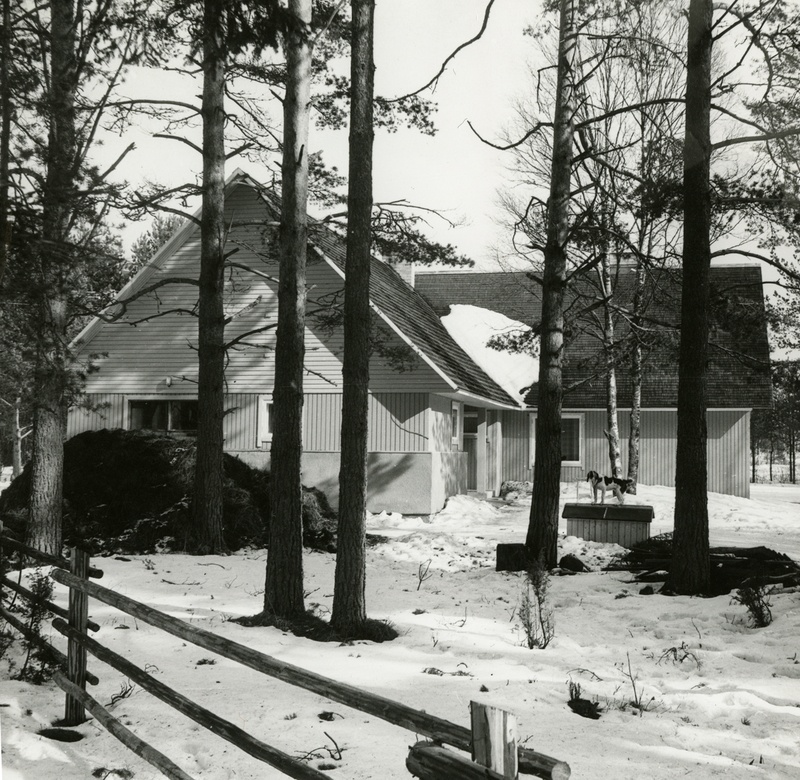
(264,424)
(571,439)
(470,423)
(455,424)
(179,416)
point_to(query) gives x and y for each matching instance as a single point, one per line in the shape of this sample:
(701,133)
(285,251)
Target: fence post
(74,712)
(494,739)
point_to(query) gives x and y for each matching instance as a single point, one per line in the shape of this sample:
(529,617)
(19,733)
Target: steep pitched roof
(738,369)
(414,318)
(401,307)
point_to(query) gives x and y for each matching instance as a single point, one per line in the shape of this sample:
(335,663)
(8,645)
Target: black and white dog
(600,484)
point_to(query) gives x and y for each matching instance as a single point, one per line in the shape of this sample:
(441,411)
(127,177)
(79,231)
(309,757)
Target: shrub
(755,597)
(536,616)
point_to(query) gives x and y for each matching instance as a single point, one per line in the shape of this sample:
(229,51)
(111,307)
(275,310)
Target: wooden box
(609,523)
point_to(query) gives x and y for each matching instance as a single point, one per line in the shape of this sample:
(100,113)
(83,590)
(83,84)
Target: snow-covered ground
(721,698)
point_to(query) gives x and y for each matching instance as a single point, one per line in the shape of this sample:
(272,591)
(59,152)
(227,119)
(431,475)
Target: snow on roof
(472,327)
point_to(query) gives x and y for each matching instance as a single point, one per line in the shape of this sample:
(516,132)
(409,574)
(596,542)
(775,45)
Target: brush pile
(130,492)
(731,567)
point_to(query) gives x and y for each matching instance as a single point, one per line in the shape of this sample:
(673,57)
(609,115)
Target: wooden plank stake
(429,761)
(74,712)
(494,739)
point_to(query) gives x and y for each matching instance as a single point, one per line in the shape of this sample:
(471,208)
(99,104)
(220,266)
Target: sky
(453,171)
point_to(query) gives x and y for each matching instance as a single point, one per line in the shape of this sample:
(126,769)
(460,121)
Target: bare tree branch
(452,55)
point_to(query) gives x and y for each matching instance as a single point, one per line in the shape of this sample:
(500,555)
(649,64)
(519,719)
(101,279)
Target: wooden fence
(491,740)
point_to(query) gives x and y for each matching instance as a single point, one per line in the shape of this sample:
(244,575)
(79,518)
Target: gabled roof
(402,309)
(738,369)
(411,317)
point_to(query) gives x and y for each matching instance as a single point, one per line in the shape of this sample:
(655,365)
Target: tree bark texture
(637,373)
(612,420)
(349,603)
(208,486)
(691,567)
(16,451)
(542,533)
(50,402)
(284,583)
(6,112)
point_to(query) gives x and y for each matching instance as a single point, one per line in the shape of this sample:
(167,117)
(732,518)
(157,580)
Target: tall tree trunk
(16,452)
(542,536)
(283,596)
(50,403)
(6,111)
(207,504)
(349,605)
(637,373)
(690,572)
(612,421)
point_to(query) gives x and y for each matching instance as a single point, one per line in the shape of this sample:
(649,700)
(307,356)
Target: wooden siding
(440,423)
(516,446)
(623,532)
(728,448)
(397,421)
(152,349)
(107,411)
(728,451)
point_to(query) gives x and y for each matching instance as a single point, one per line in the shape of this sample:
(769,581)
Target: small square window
(571,439)
(470,423)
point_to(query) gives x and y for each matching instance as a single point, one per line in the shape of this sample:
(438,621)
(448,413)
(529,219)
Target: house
(738,370)
(439,423)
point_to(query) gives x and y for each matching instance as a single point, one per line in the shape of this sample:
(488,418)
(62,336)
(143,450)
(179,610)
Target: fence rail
(429,761)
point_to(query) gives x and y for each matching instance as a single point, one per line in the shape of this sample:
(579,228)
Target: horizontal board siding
(156,339)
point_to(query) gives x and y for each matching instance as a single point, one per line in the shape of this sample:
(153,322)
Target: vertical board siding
(240,423)
(728,448)
(516,446)
(658,447)
(322,422)
(440,433)
(107,412)
(626,533)
(397,422)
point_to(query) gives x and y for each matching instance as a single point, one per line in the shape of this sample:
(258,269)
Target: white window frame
(457,427)
(263,422)
(581,417)
(126,411)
